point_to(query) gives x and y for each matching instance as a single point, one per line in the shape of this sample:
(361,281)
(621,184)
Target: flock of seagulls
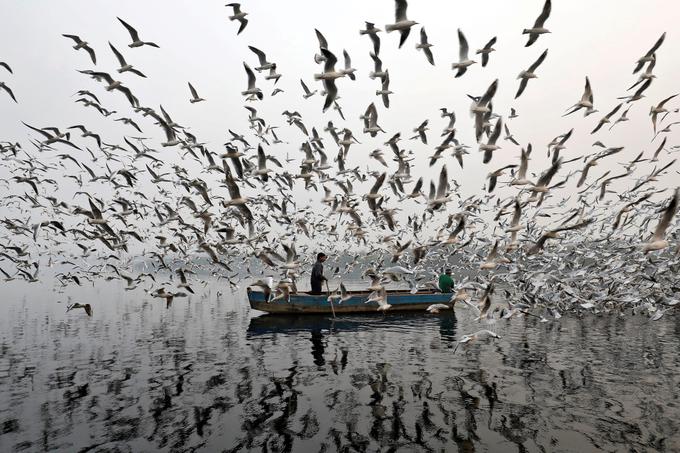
(239,210)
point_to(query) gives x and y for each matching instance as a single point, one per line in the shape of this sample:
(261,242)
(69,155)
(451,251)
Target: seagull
(349,70)
(80,44)
(136,42)
(585,102)
(385,90)
(124,66)
(521,177)
(401,22)
(509,136)
(529,73)
(239,16)
(264,64)
(654,111)
(657,241)
(252,89)
(380,297)
(479,335)
(8,90)
(486,50)
(647,74)
(114,85)
(494,175)
(377,67)
(638,94)
(606,119)
(423,44)
(372,33)
(194,95)
(489,147)
(328,77)
(649,56)
(463,60)
(539,26)
(308,94)
(436,308)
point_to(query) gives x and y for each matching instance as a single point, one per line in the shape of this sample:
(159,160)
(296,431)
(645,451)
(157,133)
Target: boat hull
(303,303)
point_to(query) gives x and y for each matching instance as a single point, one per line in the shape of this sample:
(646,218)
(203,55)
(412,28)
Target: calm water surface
(208,374)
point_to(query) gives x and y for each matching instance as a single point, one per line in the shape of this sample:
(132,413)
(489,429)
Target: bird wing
(667,216)
(400,10)
(540,20)
(194,94)
(323,44)
(119,56)
(133,33)
(538,62)
(251,76)
(9,91)
(463,46)
(329,65)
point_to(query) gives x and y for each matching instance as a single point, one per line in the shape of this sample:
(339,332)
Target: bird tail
(389,28)
(526,31)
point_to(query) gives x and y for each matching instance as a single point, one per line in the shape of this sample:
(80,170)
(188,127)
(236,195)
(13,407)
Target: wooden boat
(305,303)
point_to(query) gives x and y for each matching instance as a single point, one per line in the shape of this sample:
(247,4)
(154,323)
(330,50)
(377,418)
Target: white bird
(239,16)
(308,94)
(539,26)
(328,77)
(586,101)
(252,89)
(402,24)
(529,73)
(425,46)
(649,56)
(385,90)
(136,42)
(80,44)
(194,95)
(380,297)
(463,60)
(657,241)
(124,66)
(486,50)
(435,308)
(264,64)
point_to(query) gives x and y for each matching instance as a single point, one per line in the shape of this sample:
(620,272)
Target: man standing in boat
(446,282)
(317,274)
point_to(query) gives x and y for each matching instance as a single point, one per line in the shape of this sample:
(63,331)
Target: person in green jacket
(446,282)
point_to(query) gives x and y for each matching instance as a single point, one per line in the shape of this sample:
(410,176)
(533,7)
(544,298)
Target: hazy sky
(199,44)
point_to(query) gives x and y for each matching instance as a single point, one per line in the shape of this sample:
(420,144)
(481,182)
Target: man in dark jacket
(317,274)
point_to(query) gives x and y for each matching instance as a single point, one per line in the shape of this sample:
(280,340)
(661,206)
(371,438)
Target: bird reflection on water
(217,377)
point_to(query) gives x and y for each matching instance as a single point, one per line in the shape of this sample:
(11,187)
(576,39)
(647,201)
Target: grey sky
(199,44)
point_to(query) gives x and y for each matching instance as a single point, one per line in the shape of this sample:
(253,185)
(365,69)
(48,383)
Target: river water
(209,374)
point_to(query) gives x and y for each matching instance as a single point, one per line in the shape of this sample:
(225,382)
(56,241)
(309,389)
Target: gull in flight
(328,77)
(649,56)
(606,119)
(80,44)
(530,73)
(479,335)
(372,33)
(657,241)
(239,16)
(252,89)
(136,42)
(463,59)
(401,22)
(489,147)
(264,64)
(423,44)
(349,70)
(385,90)
(539,26)
(380,297)
(486,50)
(308,94)
(194,95)
(586,101)
(124,66)
(654,111)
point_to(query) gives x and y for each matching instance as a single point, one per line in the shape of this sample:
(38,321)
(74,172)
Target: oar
(328,292)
